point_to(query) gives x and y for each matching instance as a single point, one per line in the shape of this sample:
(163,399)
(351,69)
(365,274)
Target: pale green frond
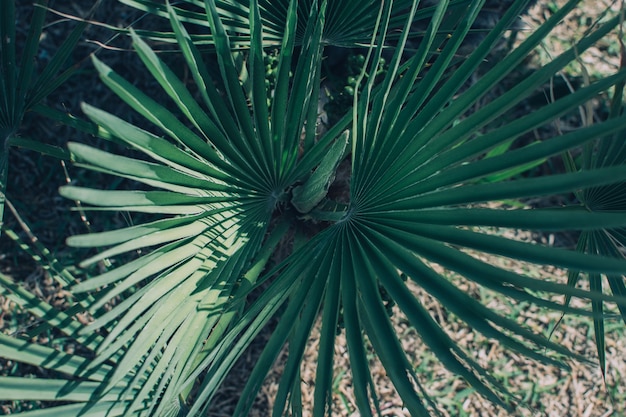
(250,148)
(111,198)
(18,388)
(30,353)
(123,235)
(64,321)
(222,357)
(159,148)
(175,88)
(162,118)
(211,98)
(155,175)
(101,409)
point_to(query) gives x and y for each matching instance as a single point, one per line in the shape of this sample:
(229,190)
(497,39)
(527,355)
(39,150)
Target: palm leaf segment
(348,23)
(225,184)
(222,180)
(22,88)
(603,152)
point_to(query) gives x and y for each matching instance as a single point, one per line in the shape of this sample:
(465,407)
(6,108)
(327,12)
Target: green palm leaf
(240,173)
(351,23)
(21,88)
(604,152)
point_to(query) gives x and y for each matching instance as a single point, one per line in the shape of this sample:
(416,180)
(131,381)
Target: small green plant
(243,188)
(22,87)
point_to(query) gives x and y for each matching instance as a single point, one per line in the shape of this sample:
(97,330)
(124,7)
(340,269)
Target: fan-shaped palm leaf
(226,179)
(604,152)
(350,23)
(21,88)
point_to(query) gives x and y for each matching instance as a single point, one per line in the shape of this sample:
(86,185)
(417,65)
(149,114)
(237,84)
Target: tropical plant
(240,181)
(605,151)
(23,88)
(349,23)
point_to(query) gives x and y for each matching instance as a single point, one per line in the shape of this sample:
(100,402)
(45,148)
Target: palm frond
(605,151)
(350,23)
(21,89)
(241,171)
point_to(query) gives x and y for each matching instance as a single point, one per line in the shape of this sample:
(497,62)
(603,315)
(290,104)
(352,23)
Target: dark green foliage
(329,225)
